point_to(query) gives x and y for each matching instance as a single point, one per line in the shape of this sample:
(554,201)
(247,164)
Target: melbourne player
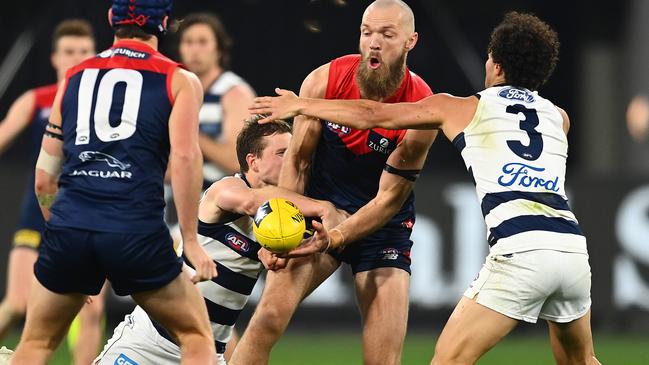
(225,231)
(514,144)
(116,121)
(369,173)
(72,41)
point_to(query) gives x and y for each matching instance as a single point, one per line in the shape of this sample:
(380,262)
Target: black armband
(410,175)
(53,135)
(54,126)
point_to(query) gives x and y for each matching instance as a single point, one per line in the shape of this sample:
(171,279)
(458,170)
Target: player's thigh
(54,309)
(383,290)
(178,296)
(572,341)
(20,273)
(289,286)
(471,330)
(92,312)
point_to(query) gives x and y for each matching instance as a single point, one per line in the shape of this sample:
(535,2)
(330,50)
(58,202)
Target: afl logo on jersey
(337,128)
(237,242)
(512,93)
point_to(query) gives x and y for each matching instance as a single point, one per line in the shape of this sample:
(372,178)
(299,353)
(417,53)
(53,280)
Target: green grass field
(345,348)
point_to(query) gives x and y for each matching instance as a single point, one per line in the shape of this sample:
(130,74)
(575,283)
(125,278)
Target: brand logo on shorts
(124,360)
(237,242)
(389,253)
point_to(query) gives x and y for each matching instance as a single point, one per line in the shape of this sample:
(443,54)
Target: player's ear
(499,70)
(251,159)
(110,16)
(165,21)
(412,41)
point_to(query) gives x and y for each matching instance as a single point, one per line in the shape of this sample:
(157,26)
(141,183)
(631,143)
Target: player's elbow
(183,157)
(44,183)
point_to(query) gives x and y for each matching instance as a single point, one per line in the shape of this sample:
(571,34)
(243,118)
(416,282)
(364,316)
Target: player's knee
(273,317)
(450,355)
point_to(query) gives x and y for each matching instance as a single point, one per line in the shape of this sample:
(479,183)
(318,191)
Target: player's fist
(203,264)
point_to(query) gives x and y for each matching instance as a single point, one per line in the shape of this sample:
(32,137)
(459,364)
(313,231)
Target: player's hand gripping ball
(279,225)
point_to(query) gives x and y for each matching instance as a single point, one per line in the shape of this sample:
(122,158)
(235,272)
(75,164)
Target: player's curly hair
(526,48)
(250,139)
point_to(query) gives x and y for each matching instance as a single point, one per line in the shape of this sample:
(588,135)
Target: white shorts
(546,284)
(136,342)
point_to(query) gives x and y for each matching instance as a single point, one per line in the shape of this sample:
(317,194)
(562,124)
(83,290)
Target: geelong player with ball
(225,232)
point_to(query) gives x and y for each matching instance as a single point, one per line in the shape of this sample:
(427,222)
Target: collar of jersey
(140,46)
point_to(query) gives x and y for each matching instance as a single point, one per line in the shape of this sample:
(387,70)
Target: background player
(514,145)
(204,47)
(348,170)
(225,230)
(106,221)
(72,41)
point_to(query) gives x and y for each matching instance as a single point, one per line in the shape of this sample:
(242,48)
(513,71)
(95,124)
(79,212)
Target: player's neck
(151,42)
(208,78)
(254,180)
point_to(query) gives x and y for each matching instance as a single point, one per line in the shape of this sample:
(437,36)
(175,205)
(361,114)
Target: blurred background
(601,81)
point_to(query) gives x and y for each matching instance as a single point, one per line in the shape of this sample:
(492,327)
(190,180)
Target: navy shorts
(31,223)
(388,247)
(73,260)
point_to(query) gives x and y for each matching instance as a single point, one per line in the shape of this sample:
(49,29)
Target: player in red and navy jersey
(118,119)
(370,174)
(72,42)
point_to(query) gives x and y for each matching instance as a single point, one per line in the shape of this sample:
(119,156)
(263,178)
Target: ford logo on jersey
(237,242)
(512,93)
(520,174)
(111,161)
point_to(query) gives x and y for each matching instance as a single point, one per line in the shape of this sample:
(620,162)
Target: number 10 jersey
(515,150)
(115,113)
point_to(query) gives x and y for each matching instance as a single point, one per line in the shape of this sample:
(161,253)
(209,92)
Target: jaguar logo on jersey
(123,52)
(237,242)
(94,156)
(512,93)
(337,128)
(515,173)
(380,143)
(111,161)
(389,253)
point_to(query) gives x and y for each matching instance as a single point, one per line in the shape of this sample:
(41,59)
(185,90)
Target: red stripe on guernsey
(43,98)
(342,84)
(156,62)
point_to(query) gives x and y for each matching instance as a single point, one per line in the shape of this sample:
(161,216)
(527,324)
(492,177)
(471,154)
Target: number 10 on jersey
(104,103)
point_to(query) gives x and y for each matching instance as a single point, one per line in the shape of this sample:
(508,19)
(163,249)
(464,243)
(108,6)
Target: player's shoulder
(418,88)
(43,96)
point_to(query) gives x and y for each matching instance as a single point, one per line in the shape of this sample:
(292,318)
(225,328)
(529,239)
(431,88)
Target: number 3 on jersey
(104,103)
(532,151)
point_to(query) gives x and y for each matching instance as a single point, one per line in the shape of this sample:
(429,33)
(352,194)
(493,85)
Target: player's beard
(384,81)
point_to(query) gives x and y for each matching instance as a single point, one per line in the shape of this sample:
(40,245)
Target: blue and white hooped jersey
(515,149)
(211,116)
(231,244)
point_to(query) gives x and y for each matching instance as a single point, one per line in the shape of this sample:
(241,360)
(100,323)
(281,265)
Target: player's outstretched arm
(428,113)
(50,158)
(186,167)
(394,187)
(306,134)
(16,120)
(232,194)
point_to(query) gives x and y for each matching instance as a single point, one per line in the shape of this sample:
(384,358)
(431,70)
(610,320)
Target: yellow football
(279,225)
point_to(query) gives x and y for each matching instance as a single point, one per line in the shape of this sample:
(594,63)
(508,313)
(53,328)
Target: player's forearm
(221,154)
(293,174)
(309,207)
(357,114)
(186,182)
(372,216)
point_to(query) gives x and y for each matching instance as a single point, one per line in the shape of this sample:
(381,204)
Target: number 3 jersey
(515,149)
(115,113)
